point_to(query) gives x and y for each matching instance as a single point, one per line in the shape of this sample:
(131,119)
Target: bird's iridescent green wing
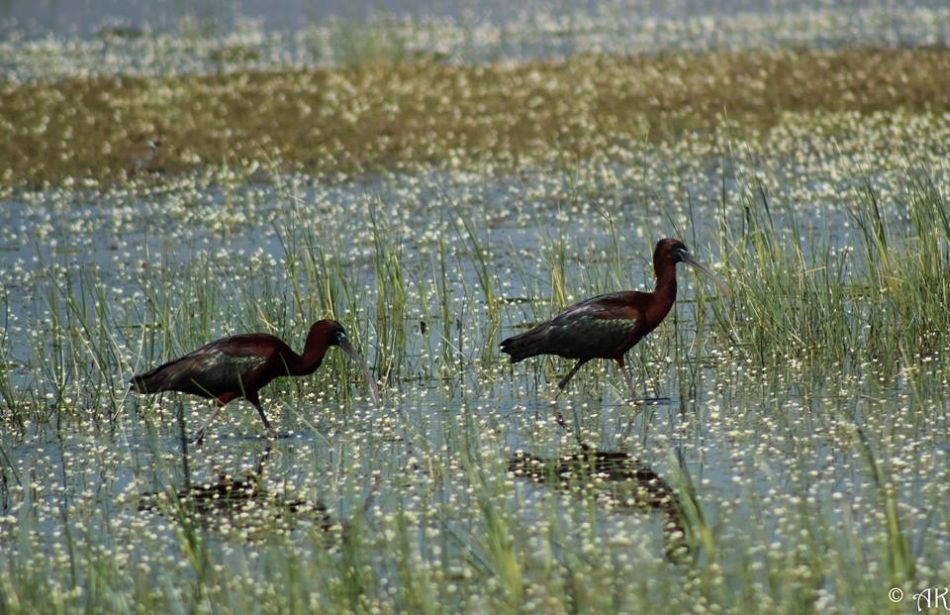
(209,373)
(599,326)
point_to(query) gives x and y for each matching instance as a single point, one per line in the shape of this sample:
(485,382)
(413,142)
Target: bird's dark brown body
(608,325)
(241,365)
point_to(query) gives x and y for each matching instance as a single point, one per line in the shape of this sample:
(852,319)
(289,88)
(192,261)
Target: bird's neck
(666,285)
(313,352)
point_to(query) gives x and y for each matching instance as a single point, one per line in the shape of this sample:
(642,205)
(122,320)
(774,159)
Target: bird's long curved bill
(692,262)
(346,347)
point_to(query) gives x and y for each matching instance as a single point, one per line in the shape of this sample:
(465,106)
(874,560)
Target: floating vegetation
(434,202)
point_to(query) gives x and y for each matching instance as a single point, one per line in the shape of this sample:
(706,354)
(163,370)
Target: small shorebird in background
(140,157)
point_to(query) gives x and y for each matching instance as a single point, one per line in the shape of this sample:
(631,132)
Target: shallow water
(42,41)
(89,18)
(767,454)
(99,283)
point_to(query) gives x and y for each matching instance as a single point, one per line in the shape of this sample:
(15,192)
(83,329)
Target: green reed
(391,298)
(11,397)
(768,468)
(484,306)
(309,265)
(446,320)
(354,44)
(796,295)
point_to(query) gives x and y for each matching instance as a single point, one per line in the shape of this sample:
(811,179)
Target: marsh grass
(391,299)
(801,413)
(450,341)
(861,303)
(450,521)
(12,398)
(483,322)
(356,44)
(376,116)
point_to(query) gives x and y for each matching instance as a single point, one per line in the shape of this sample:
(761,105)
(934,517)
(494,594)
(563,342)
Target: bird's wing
(601,326)
(207,372)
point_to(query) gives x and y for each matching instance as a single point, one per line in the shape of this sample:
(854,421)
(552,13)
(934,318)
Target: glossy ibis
(241,365)
(608,325)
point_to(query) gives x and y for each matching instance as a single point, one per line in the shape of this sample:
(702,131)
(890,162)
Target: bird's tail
(527,344)
(140,383)
(159,379)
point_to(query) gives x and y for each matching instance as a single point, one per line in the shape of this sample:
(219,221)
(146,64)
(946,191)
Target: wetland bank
(789,449)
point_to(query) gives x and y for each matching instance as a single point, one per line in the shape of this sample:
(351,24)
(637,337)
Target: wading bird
(142,155)
(608,325)
(241,365)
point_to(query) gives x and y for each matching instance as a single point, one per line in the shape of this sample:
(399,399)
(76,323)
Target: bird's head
(333,334)
(675,251)
(336,336)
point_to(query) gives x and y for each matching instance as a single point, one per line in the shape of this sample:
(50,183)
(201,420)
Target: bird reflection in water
(621,481)
(244,504)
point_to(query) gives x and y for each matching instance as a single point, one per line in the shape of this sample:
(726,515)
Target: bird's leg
(577,428)
(200,438)
(570,374)
(633,400)
(560,389)
(628,378)
(271,432)
(558,417)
